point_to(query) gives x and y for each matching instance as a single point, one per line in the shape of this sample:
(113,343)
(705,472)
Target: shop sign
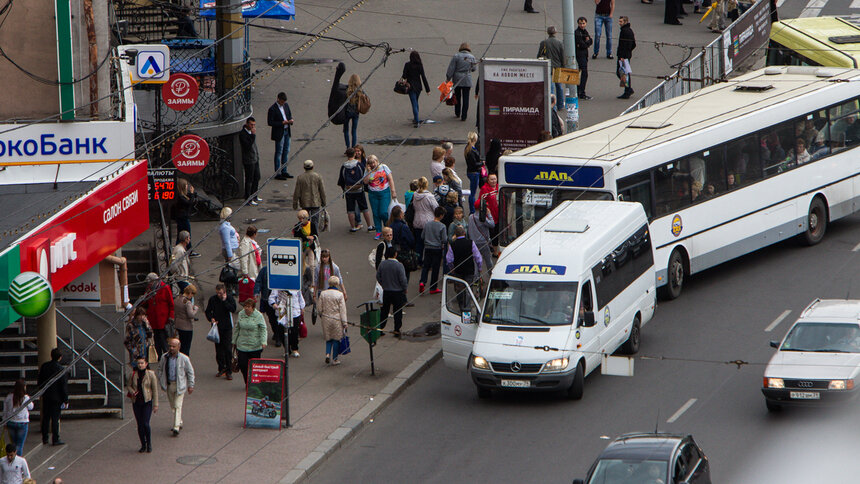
(190,154)
(264,393)
(180,92)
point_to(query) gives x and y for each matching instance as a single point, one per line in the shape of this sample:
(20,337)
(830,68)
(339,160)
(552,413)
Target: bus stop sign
(285,264)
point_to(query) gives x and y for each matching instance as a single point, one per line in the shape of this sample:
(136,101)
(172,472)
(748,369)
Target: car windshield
(527,303)
(629,471)
(823,337)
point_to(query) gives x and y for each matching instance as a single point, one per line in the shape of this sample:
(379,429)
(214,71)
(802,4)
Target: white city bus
(720,172)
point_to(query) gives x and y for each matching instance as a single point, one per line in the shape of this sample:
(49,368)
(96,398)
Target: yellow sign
(565,76)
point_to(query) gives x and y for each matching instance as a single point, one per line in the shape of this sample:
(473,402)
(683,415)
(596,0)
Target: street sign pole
(285,404)
(284,272)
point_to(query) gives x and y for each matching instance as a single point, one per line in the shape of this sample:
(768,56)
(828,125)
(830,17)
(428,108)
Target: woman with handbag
(186,314)
(142,390)
(185,199)
(325,270)
(354,95)
(474,165)
(403,239)
(289,305)
(413,75)
(332,308)
(380,184)
(138,336)
(306,231)
(19,423)
(460,70)
(249,335)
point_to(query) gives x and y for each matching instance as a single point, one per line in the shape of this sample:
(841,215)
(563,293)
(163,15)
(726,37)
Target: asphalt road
(439,431)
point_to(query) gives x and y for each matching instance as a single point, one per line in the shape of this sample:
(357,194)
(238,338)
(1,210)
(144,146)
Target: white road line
(780,2)
(681,410)
(856,247)
(855,4)
(813,8)
(777,321)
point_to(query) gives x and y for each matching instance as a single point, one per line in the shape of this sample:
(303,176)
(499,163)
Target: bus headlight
(557,364)
(480,363)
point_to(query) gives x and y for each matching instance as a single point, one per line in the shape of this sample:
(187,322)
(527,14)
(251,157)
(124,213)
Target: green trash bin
(370,326)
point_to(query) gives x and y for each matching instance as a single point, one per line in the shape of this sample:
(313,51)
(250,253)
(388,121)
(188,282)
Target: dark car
(650,458)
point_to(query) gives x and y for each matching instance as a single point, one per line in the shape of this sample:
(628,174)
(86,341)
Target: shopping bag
(152,355)
(234,363)
(446,88)
(377,293)
(395,203)
(213,334)
(344,345)
(303,330)
(229,275)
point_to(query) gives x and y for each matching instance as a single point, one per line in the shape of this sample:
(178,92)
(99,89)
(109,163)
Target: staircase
(147,21)
(90,393)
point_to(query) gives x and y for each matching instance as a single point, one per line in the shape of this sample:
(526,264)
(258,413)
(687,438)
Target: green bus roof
(829,41)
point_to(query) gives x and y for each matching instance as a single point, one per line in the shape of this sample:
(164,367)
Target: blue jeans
(18,434)
(282,152)
(413,98)
(602,21)
(474,185)
(332,347)
(346,130)
(558,90)
(379,202)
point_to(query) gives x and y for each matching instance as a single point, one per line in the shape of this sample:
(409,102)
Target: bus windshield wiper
(546,323)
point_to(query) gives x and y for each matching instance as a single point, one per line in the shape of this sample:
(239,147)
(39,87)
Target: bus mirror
(587,319)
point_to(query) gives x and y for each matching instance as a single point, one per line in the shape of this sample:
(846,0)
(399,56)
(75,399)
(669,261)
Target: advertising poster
(747,35)
(514,104)
(264,394)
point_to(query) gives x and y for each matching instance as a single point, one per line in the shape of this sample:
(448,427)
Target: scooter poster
(263,394)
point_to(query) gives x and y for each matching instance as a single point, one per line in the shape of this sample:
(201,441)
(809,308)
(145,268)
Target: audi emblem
(516,366)
(804,384)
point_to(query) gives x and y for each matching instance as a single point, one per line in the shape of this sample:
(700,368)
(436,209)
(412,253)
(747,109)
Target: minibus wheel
(576,388)
(816,222)
(631,346)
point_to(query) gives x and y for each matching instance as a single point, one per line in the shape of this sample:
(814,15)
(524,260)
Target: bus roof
(779,90)
(589,226)
(828,41)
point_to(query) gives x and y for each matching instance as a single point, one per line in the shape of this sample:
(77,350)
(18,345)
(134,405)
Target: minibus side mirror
(578,481)
(587,319)
(774,344)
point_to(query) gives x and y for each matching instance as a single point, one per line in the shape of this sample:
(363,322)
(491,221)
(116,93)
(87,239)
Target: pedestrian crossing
(816,8)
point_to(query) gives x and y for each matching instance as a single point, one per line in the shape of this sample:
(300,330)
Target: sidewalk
(327,403)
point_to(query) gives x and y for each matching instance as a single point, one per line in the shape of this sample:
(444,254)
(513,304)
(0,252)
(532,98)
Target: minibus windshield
(530,303)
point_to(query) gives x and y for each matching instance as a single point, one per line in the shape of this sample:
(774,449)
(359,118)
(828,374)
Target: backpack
(352,177)
(410,214)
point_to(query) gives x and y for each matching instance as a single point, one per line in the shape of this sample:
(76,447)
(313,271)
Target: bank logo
(495,111)
(535,269)
(150,65)
(30,294)
(677,225)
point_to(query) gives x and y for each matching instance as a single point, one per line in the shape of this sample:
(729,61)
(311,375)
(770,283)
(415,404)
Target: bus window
(773,147)
(671,188)
(637,188)
(844,130)
(742,160)
(520,208)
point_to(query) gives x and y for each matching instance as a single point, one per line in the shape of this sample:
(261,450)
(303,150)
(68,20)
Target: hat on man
(551,30)
(437,178)
(309,164)
(151,277)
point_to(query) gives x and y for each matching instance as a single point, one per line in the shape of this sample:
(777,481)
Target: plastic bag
(214,336)
(447,90)
(395,203)
(377,293)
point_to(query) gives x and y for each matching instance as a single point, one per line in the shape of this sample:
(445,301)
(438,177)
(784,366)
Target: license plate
(515,383)
(805,395)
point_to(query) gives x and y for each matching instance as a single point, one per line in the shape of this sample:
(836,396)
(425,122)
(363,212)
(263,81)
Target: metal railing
(71,346)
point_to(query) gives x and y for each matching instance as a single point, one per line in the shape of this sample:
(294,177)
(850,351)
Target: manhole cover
(196,460)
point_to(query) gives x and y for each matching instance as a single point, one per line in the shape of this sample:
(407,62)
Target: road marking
(813,8)
(681,410)
(856,247)
(777,320)
(855,4)
(780,2)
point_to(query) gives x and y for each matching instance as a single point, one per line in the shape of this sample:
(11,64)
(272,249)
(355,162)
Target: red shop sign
(180,92)
(90,229)
(190,154)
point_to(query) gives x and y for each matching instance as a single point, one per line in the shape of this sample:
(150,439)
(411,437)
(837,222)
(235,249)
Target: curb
(357,421)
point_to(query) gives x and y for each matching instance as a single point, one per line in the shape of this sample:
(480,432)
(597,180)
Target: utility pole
(230,55)
(568,29)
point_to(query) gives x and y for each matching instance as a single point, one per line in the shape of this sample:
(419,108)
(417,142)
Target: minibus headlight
(557,364)
(480,363)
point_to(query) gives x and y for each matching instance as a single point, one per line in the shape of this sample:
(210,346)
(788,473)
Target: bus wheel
(631,346)
(576,388)
(674,276)
(816,222)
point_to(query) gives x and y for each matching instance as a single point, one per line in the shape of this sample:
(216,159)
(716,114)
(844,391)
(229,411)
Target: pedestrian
(290,308)
(281,120)
(381,191)
(463,256)
(350,181)
(185,200)
(250,254)
(249,335)
(17,424)
(176,377)
(401,236)
(13,469)
(582,41)
(332,310)
(361,156)
(473,165)
(413,72)
(492,158)
(489,196)
(142,389)
(229,236)
(626,44)
(552,49)
(262,293)
(309,273)
(186,315)
(424,205)
(355,95)
(440,189)
(450,161)
(671,13)
(460,70)
(54,398)
(603,11)
(391,276)
(437,163)
(306,231)
(180,266)
(250,160)
(451,179)
(309,193)
(459,220)
(407,197)
(450,204)
(325,270)
(528,8)
(717,23)
(219,311)
(159,310)
(138,336)
(555,119)
(385,242)
(481,224)
(435,236)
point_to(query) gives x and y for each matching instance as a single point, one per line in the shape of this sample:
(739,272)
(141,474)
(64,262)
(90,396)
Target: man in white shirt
(13,469)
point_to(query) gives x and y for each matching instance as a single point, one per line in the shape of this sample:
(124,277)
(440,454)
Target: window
(530,303)
(458,298)
(844,129)
(622,266)
(671,188)
(743,164)
(585,301)
(637,188)
(707,173)
(772,148)
(521,208)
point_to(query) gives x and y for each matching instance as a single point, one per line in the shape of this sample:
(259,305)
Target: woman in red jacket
(489,195)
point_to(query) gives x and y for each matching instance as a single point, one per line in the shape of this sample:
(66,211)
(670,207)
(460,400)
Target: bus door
(459,322)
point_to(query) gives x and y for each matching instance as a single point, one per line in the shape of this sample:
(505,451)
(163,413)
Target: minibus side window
(458,298)
(586,303)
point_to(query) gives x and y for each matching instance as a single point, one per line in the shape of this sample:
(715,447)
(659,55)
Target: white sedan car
(818,361)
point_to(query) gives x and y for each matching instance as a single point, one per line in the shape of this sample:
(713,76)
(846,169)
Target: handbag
(303,330)
(152,355)
(402,86)
(213,335)
(408,258)
(170,329)
(344,348)
(229,275)
(484,172)
(451,101)
(234,363)
(324,221)
(363,103)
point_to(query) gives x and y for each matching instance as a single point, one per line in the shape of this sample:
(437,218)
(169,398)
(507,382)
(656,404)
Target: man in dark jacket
(552,49)
(583,42)
(261,293)
(56,395)
(392,277)
(250,159)
(281,119)
(219,310)
(338,96)
(463,256)
(626,44)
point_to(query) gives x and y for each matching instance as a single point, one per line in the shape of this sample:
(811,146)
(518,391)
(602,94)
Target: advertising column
(515,104)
